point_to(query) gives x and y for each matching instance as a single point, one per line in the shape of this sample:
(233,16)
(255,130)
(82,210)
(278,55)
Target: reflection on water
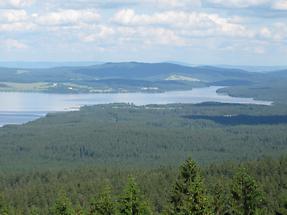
(17,108)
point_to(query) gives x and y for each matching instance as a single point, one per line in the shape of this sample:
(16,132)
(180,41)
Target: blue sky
(233,32)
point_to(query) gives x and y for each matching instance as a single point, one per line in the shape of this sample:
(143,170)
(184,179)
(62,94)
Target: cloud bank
(160,29)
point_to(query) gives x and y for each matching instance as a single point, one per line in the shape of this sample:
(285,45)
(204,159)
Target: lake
(18,108)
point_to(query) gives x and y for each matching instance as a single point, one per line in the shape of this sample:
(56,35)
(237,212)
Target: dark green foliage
(104,203)
(34,211)
(246,195)
(220,193)
(132,202)
(189,195)
(62,206)
(110,142)
(283,205)
(130,136)
(35,192)
(3,206)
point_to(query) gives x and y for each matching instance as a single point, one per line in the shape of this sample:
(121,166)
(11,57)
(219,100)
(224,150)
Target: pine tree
(80,211)
(34,211)
(221,198)
(189,195)
(283,206)
(3,206)
(131,202)
(62,206)
(103,204)
(246,196)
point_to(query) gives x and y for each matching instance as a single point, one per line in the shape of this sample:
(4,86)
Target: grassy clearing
(11,87)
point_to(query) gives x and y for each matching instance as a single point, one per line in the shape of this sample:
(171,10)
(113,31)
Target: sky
(213,32)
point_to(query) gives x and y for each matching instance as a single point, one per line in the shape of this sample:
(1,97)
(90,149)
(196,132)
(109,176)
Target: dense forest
(182,109)
(146,136)
(123,159)
(257,187)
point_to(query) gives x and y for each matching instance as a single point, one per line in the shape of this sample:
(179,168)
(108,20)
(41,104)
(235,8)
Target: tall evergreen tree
(246,196)
(62,206)
(189,194)
(283,206)
(103,204)
(132,202)
(221,198)
(34,211)
(3,206)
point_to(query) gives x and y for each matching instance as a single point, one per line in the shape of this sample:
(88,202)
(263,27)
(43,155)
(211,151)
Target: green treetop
(131,202)
(246,196)
(189,195)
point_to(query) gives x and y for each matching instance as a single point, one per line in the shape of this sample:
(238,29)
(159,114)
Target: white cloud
(134,36)
(149,36)
(253,47)
(280,5)
(15,20)
(162,36)
(276,32)
(101,33)
(279,31)
(67,17)
(198,22)
(9,16)
(18,26)
(265,32)
(16,3)
(174,3)
(13,44)
(239,3)
(158,4)
(158,23)
(270,4)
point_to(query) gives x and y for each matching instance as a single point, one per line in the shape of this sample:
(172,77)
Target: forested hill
(144,77)
(146,136)
(119,77)
(130,70)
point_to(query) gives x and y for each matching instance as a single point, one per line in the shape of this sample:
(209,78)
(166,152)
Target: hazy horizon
(51,64)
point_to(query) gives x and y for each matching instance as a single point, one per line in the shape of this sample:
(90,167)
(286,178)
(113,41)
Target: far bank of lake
(18,108)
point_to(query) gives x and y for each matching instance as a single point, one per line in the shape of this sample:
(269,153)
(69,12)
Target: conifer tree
(132,202)
(221,198)
(246,196)
(189,195)
(62,206)
(3,206)
(34,211)
(103,204)
(283,206)
(80,211)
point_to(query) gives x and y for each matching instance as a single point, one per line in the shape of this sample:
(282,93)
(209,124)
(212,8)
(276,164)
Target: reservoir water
(18,108)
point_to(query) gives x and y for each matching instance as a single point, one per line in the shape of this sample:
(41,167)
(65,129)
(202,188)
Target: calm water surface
(18,108)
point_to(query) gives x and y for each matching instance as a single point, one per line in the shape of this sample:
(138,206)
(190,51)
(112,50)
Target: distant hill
(44,64)
(260,69)
(130,70)
(279,73)
(129,77)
